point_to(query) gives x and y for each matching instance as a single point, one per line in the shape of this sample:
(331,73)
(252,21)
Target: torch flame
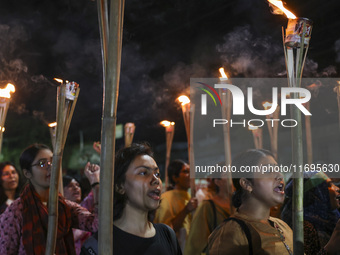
(58,80)
(222,73)
(53,124)
(6,92)
(183,100)
(166,123)
(278,8)
(251,127)
(266,105)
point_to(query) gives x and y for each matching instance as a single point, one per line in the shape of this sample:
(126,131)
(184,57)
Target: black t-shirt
(163,243)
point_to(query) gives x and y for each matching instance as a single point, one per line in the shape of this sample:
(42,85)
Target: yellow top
(172,202)
(230,239)
(202,225)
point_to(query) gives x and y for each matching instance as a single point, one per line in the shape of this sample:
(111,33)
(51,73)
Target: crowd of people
(149,221)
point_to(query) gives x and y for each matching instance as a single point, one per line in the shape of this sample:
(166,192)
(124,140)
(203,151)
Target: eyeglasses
(43,163)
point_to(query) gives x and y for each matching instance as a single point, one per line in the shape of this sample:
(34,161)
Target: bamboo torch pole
(53,128)
(226,114)
(294,65)
(111,53)
(309,143)
(257,136)
(169,135)
(66,100)
(129,131)
(337,91)
(185,102)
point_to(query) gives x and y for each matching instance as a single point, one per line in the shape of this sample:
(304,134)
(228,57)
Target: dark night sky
(165,43)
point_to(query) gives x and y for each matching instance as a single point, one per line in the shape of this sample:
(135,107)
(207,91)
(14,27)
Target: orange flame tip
(6,92)
(278,8)
(183,100)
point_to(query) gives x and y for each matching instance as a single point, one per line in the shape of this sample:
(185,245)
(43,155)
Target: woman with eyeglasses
(10,184)
(23,226)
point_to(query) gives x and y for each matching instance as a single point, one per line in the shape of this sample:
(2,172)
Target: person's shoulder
(229,235)
(15,207)
(13,213)
(162,227)
(229,227)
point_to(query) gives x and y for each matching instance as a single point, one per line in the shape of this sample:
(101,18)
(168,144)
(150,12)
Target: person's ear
(246,184)
(27,173)
(120,189)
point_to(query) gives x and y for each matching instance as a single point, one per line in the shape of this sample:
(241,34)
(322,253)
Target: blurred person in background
(209,214)
(177,205)
(11,184)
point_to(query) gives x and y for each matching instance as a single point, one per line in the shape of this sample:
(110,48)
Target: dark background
(164,44)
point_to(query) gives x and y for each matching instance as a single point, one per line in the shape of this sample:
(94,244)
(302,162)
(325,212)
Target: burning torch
(185,103)
(295,43)
(5,98)
(226,112)
(67,95)
(169,134)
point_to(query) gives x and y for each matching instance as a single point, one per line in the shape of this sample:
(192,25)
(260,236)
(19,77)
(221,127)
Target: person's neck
(43,194)
(254,210)
(10,194)
(178,187)
(134,221)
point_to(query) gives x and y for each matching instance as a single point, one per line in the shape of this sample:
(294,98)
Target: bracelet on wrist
(94,184)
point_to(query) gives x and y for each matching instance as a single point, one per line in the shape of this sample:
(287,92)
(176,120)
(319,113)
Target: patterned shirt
(11,223)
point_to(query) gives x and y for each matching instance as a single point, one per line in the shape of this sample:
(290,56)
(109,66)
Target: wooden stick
(111,89)
(191,150)
(226,112)
(69,114)
(337,91)
(309,143)
(104,30)
(169,134)
(55,173)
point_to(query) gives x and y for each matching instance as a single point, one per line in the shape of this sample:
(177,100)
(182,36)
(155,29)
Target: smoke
(19,108)
(247,55)
(11,66)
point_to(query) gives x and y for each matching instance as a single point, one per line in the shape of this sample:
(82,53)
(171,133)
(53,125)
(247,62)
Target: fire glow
(6,92)
(53,124)
(278,8)
(267,105)
(183,100)
(251,127)
(223,74)
(58,80)
(166,123)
